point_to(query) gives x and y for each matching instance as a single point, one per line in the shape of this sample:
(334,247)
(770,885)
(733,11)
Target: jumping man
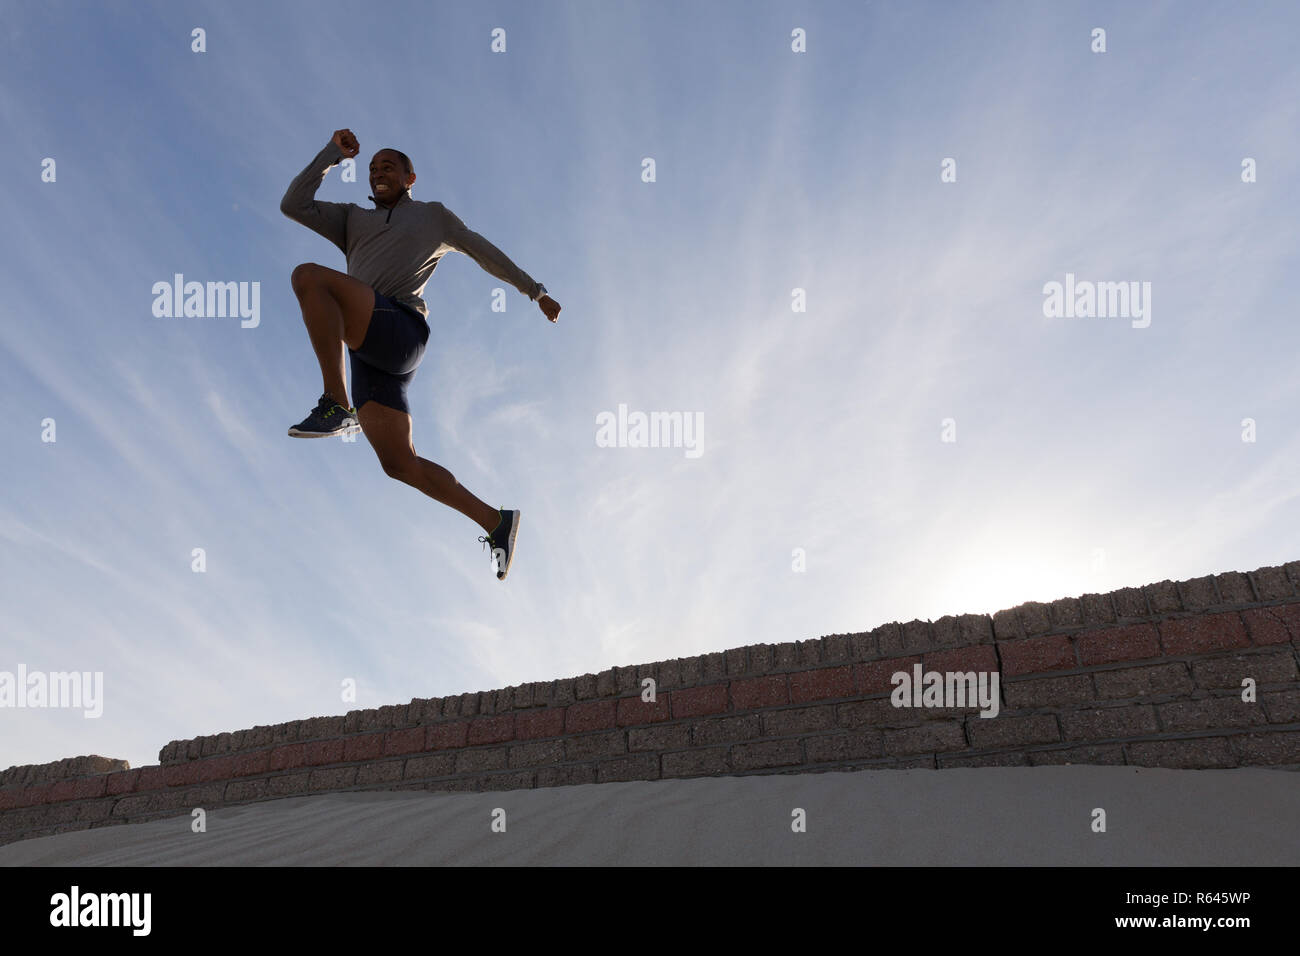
(376,311)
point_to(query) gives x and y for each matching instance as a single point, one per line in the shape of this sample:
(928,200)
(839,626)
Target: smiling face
(389,176)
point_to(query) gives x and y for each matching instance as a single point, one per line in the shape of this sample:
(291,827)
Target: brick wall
(1146,676)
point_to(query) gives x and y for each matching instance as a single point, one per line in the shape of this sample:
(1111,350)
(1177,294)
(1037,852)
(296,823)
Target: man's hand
(345,141)
(549,306)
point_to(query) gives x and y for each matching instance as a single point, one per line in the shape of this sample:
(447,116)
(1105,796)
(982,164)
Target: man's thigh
(356,301)
(389,432)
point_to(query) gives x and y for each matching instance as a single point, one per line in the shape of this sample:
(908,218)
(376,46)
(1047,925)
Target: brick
(501,782)
(1158,681)
(1196,753)
(798,720)
(737,662)
(761,659)
(767,754)
(876,677)
(250,764)
(1272,584)
(1134,720)
(593,715)
(569,776)
(671,737)
(1066,613)
(946,632)
(539,723)
(975,629)
(1199,593)
(1272,625)
(1095,755)
(1097,610)
(713,667)
(491,730)
(918,637)
(1114,644)
(1281,706)
(1013,759)
(1209,713)
(930,737)
(607,683)
(1034,618)
(888,639)
(701,701)
(980,658)
(407,741)
(1200,635)
(635,711)
(379,774)
(850,745)
(864,647)
(154,778)
(1162,597)
(631,767)
(688,671)
(1047,692)
(429,765)
(319,752)
(124,781)
(719,730)
(1129,603)
(1006,625)
(786,655)
(609,744)
(809,653)
(821,684)
(477,761)
(536,754)
(363,747)
(1272,667)
(333,778)
(693,763)
(1035,655)
(670,676)
(237,791)
(447,735)
(288,785)
(995,732)
(1234,588)
(770,691)
(879,713)
(835,649)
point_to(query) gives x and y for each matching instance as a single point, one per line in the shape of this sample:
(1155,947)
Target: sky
(821,232)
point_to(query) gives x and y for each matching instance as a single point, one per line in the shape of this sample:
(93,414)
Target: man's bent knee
(404,468)
(304,276)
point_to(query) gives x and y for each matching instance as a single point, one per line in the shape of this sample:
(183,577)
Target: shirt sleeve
(330,219)
(489,258)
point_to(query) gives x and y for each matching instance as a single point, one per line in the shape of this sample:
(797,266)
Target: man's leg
(389,433)
(336,309)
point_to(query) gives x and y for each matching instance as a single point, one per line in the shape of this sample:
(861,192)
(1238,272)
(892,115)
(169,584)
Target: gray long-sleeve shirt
(393,250)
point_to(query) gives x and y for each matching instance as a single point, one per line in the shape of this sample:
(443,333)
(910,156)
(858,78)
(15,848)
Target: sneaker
(502,542)
(326,419)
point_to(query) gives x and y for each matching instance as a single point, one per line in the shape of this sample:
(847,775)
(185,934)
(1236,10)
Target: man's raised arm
(330,219)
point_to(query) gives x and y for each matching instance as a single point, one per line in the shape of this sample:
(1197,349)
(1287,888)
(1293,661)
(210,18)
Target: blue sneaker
(502,542)
(326,419)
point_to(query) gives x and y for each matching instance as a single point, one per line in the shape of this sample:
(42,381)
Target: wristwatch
(541,291)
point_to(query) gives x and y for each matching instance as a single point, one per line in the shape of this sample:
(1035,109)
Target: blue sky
(1089,454)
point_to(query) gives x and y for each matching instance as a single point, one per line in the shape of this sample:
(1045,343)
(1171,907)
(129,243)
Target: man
(376,311)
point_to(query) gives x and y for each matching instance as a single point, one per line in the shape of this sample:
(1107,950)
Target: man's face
(388,176)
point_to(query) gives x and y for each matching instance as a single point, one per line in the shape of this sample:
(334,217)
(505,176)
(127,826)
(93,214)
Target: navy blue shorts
(387,359)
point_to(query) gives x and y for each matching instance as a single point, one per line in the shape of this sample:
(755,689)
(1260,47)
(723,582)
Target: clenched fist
(345,141)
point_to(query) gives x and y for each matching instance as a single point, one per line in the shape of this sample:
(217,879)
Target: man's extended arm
(330,219)
(490,259)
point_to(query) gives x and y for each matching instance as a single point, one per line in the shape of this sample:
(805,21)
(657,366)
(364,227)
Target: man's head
(390,173)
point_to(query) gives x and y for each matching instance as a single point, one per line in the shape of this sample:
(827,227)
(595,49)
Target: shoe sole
(350,430)
(510,547)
